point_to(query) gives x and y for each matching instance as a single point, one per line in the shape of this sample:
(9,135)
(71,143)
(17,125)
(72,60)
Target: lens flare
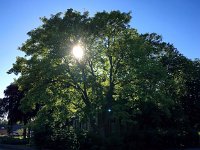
(77,52)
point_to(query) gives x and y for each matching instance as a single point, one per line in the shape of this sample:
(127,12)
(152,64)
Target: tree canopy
(131,79)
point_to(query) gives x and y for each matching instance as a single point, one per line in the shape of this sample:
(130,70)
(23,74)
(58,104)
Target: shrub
(56,138)
(13,141)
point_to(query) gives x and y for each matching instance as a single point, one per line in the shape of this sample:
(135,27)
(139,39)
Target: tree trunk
(93,124)
(29,133)
(24,133)
(24,129)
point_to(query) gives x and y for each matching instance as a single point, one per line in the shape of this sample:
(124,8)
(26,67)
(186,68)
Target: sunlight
(78,52)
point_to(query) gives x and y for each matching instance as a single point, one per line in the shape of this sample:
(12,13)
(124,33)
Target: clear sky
(178,21)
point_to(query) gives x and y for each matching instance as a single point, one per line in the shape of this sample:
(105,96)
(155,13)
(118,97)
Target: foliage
(126,85)
(47,136)
(11,105)
(190,100)
(13,141)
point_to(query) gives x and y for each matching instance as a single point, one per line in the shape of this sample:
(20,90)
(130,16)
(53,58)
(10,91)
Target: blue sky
(178,21)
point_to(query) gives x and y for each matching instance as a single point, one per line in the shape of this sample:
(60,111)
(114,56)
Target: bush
(142,139)
(160,139)
(65,139)
(13,141)
(56,138)
(90,141)
(94,141)
(179,139)
(42,136)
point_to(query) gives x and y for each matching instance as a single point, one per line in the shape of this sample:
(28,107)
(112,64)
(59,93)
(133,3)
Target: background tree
(190,99)
(11,105)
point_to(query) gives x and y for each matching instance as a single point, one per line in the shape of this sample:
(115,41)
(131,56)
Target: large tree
(120,68)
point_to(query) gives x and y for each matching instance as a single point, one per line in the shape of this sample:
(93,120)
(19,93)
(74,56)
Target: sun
(77,52)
